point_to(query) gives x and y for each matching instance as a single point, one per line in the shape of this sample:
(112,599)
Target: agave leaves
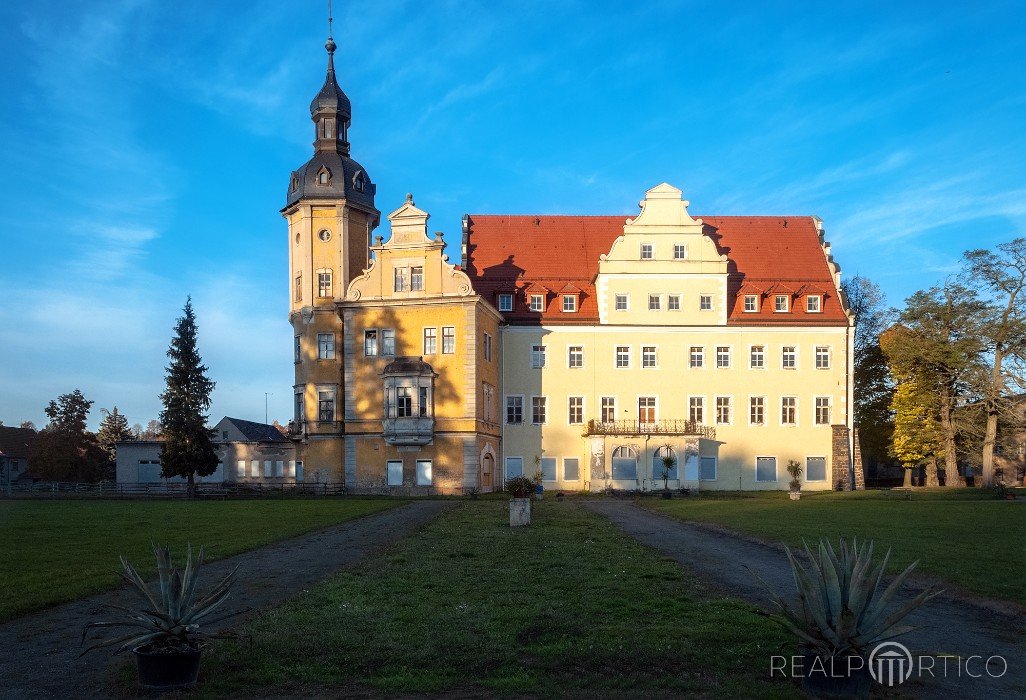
(843,610)
(170,616)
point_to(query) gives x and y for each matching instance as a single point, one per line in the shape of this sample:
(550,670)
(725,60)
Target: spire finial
(330,43)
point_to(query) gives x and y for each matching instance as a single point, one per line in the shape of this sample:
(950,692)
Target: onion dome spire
(331,110)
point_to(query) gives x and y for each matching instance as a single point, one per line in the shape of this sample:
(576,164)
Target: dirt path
(949,626)
(38,652)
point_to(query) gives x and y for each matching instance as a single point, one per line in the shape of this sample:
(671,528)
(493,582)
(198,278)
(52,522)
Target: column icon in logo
(890,663)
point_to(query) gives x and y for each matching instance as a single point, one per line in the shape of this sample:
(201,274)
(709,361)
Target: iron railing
(659,427)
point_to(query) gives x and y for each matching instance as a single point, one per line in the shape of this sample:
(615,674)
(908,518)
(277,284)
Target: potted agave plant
(844,614)
(520,489)
(164,628)
(794,468)
(668,461)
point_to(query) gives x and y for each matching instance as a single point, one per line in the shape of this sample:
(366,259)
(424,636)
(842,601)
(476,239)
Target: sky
(146,146)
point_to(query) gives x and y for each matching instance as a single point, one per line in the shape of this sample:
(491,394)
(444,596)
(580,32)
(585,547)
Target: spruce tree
(187,449)
(113,429)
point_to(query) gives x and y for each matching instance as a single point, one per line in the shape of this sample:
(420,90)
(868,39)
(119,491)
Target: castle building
(596,352)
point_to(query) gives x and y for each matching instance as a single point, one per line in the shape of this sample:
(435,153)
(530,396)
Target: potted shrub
(844,614)
(520,489)
(794,468)
(668,461)
(164,627)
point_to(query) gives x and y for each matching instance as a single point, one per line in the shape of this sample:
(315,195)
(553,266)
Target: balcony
(409,431)
(659,427)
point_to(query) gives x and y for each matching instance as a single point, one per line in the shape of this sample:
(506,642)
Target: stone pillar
(840,458)
(860,478)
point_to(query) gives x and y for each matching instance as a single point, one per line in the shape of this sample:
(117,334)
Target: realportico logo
(890,663)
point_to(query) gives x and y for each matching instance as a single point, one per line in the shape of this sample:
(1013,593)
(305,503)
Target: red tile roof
(767,255)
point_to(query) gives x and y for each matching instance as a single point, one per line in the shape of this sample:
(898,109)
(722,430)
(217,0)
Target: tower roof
(331,97)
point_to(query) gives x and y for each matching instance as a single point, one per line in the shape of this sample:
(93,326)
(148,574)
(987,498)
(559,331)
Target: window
(323,177)
(488,347)
(324,283)
(448,340)
(696,357)
(646,251)
(757,410)
(299,412)
(758,357)
(722,357)
(822,357)
(673,302)
(608,409)
(571,469)
(622,302)
(575,410)
(659,468)
(423,472)
(789,357)
(575,356)
(722,410)
(788,410)
(815,468)
(780,303)
(326,405)
(813,304)
(279,468)
(514,409)
(370,343)
(680,251)
(394,473)
(537,356)
(299,287)
(538,410)
(424,400)
(548,468)
(705,302)
(505,302)
(297,350)
(417,279)
(268,469)
(241,469)
(707,469)
(388,341)
(361,182)
(625,463)
(325,346)
(537,303)
(514,466)
(646,409)
(489,402)
(696,409)
(403,402)
(430,341)
(765,468)
(648,356)
(254,468)
(402,279)
(623,356)
(569,303)
(751,303)
(653,302)
(822,410)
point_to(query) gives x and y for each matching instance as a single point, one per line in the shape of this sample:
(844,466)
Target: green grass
(468,606)
(56,551)
(966,537)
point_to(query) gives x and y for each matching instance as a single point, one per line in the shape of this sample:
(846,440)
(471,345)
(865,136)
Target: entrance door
(487,470)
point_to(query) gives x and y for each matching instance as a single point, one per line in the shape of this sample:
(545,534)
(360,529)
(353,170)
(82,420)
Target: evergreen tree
(187,449)
(65,450)
(113,429)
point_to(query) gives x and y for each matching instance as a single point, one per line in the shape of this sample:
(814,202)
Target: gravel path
(38,652)
(950,626)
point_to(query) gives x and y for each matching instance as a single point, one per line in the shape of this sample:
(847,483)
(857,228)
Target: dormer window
(751,303)
(537,303)
(505,302)
(813,304)
(569,303)
(780,304)
(323,176)
(294,183)
(359,182)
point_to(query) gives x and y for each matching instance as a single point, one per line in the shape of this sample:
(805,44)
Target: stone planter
(165,672)
(519,512)
(795,495)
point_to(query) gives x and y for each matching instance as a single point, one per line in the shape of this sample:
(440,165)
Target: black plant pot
(167,671)
(667,494)
(836,681)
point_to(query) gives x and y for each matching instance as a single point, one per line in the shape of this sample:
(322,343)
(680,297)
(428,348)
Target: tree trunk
(992,418)
(951,475)
(908,477)
(931,473)
(190,488)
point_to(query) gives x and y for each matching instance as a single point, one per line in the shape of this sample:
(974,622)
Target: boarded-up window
(279,468)
(254,468)
(268,468)
(548,468)
(625,464)
(571,469)
(394,473)
(707,469)
(815,469)
(242,468)
(765,468)
(514,467)
(423,472)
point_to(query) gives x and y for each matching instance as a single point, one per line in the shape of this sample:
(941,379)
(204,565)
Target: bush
(519,487)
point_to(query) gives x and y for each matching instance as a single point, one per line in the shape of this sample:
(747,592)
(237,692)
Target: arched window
(323,176)
(359,182)
(659,464)
(625,463)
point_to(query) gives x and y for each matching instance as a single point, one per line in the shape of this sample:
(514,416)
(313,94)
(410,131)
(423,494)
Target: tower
(330,212)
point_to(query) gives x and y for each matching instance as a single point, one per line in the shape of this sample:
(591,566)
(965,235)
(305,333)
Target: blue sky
(147,147)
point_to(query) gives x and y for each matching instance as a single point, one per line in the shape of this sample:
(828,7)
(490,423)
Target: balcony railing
(659,427)
(409,430)
(317,427)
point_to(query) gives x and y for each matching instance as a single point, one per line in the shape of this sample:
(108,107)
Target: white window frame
(322,351)
(377,342)
(730,409)
(430,475)
(570,357)
(818,304)
(654,407)
(752,398)
(828,352)
(540,306)
(626,298)
(680,251)
(816,407)
(506,407)
(569,410)
(702,299)
(701,407)
(655,302)
(539,356)
(728,355)
(700,356)
(645,356)
(751,357)
(776,474)
(603,407)
(793,424)
(433,349)
(755,303)
(570,308)
(777,298)
(414,286)
(400,279)
(388,472)
(617,354)
(783,355)
(646,251)
(487,346)
(383,349)
(544,410)
(451,334)
(505,302)
(324,291)
(673,302)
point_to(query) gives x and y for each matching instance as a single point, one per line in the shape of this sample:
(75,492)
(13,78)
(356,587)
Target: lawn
(966,537)
(56,551)
(468,606)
